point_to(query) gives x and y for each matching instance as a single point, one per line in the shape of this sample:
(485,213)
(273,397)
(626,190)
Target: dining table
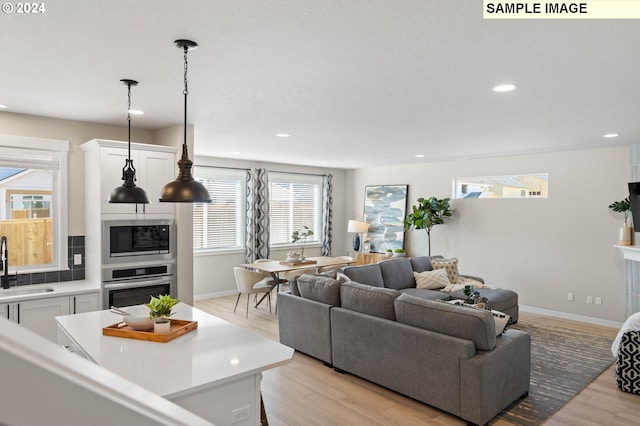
(276,267)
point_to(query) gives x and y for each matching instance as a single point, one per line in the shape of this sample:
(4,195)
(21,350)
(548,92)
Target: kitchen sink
(10,292)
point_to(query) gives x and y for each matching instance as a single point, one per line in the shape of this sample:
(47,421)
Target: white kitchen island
(213,371)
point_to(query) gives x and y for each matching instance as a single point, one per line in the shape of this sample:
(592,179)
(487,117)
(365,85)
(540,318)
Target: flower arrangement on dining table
(300,236)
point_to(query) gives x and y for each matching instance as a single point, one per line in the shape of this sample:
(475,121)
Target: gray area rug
(563,362)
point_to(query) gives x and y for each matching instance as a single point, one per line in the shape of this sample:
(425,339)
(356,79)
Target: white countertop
(214,353)
(65,288)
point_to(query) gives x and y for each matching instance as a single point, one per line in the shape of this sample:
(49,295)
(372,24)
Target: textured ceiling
(355,83)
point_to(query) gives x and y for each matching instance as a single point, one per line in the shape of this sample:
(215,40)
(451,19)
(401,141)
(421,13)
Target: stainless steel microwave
(126,241)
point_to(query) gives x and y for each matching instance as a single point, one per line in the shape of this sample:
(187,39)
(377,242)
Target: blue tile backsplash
(74,273)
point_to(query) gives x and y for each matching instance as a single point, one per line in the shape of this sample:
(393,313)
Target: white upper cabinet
(155,167)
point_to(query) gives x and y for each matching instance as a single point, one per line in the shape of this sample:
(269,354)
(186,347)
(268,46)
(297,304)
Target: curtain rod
(275,171)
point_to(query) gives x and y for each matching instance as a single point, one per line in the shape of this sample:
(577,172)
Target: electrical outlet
(570,297)
(590,300)
(77,259)
(240,414)
(599,301)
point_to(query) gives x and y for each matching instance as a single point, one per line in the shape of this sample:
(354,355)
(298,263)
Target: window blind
(295,202)
(220,224)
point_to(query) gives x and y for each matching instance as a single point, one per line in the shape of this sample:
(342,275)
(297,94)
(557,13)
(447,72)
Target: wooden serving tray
(302,262)
(178,328)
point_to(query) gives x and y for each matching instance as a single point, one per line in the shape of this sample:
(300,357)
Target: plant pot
(625,236)
(162,326)
(399,254)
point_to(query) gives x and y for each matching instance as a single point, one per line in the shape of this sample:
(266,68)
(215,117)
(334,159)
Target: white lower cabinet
(84,303)
(38,315)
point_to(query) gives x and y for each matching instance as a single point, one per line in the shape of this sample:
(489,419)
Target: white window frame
(211,172)
(28,152)
(293,178)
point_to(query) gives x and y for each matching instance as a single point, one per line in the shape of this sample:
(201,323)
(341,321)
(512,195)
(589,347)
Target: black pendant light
(129,192)
(185,189)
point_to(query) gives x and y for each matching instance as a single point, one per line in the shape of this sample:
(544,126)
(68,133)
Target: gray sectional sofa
(388,332)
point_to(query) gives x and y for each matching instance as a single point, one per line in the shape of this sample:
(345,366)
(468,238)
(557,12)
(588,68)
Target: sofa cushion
(423,263)
(466,323)
(397,273)
(365,274)
(432,280)
(369,300)
(426,293)
(449,265)
(320,289)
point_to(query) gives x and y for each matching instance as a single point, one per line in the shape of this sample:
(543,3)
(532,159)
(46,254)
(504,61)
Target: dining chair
(251,282)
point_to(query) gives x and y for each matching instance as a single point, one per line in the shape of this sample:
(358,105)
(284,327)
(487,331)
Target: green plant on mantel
(428,213)
(160,307)
(622,206)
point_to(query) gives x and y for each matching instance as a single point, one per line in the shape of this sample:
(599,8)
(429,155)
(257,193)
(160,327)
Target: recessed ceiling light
(507,87)
(283,135)
(135,112)
(235,153)
(419,155)
(610,135)
(2,106)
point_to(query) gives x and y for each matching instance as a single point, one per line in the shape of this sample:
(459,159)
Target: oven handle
(144,283)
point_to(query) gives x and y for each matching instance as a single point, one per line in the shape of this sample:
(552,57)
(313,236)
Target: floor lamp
(357,227)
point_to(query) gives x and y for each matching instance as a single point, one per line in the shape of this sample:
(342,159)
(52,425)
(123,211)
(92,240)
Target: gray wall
(543,249)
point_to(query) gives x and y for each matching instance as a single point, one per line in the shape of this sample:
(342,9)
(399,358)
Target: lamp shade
(357,226)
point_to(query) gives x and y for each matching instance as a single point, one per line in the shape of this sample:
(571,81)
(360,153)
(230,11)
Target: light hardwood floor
(306,392)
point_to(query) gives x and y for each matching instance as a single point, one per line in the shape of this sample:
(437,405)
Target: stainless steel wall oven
(138,261)
(134,284)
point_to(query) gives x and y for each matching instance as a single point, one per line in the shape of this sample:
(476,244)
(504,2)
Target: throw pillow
(449,265)
(342,277)
(431,280)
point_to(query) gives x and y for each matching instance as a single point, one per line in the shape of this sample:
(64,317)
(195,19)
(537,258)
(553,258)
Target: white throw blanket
(632,323)
(462,281)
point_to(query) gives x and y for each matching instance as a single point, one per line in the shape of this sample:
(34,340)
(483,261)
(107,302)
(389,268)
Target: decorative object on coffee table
(384,210)
(428,213)
(623,206)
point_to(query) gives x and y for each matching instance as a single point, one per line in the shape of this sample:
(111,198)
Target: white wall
(213,273)
(542,249)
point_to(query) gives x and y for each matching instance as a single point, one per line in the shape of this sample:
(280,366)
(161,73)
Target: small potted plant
(398,252)
(160,311)
(389,252)
(623,206)
(301,236)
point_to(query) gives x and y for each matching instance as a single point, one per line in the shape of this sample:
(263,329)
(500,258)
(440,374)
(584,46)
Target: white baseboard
(217,294)
(574,317)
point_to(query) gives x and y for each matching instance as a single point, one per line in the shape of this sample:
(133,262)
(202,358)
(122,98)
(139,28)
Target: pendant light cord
(129,120)
(185,92)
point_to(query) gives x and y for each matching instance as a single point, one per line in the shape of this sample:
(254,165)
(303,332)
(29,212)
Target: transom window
(509,186)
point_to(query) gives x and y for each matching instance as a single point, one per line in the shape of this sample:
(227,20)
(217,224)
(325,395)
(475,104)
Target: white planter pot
(625,236)
(162,327)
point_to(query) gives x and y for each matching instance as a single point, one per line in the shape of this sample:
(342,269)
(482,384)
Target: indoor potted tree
(160,311)
(623,206)
(428,213)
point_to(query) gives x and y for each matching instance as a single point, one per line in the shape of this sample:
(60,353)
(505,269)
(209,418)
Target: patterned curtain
(257,215)
(327,214)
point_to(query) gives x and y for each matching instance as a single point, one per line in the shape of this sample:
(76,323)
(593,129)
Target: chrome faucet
(4,262)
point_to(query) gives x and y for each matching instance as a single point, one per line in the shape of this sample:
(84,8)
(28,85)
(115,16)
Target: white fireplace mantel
(630,252)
